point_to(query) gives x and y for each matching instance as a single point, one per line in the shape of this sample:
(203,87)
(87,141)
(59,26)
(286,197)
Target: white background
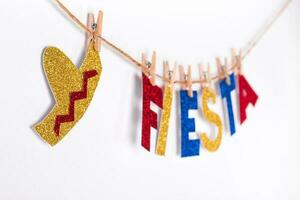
(101,158)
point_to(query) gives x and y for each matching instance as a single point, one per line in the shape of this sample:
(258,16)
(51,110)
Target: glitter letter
(246,96)
(154,94)
(211,145)
(164,123)
(226,93)
(188,147)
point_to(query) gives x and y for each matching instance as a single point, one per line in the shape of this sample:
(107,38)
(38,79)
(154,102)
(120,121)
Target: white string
(265,28)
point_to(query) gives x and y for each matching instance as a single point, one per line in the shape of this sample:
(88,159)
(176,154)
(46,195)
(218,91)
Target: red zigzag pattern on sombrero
(74,96)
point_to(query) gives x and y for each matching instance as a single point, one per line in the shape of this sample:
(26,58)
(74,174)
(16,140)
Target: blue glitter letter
(188,147)
(226,93)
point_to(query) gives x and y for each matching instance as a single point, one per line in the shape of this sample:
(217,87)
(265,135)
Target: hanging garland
(73,89)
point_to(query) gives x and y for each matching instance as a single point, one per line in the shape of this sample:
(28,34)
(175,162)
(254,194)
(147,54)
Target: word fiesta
(163,98)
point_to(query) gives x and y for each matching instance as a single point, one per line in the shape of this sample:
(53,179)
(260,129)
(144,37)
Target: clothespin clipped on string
(95,29)
(205,76)
(169,75)
(186,80)
(236,61)
(223,70)
(149,68)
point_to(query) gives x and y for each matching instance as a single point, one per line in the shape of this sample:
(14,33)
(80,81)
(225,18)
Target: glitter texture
(65,78)
(212,117)
(164,123)
(226,93)
(154,94)
(188,147)
(74,96)
(246,96)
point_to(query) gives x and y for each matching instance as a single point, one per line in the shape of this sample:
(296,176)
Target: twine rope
(244,52)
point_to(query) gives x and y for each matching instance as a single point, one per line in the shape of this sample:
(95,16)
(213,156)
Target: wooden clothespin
(186,80)
(205,76)
(223,70)
(144,64)
(202,76)
(98,32)
(90,23)
(149,67)
(183,78)
(189,81)
(153,69)
(96,29)
(226,72)
(208,75)
(236,61)
(219,68)
(170,75)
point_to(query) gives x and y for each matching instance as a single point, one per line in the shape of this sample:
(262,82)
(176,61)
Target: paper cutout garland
(69,109)
(191,147)
(73,89)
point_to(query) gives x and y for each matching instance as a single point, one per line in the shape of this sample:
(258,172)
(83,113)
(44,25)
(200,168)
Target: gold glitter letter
(164,124)
(211,145)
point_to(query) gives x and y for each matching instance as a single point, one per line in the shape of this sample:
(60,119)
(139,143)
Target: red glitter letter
(246,96)
(154,94)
